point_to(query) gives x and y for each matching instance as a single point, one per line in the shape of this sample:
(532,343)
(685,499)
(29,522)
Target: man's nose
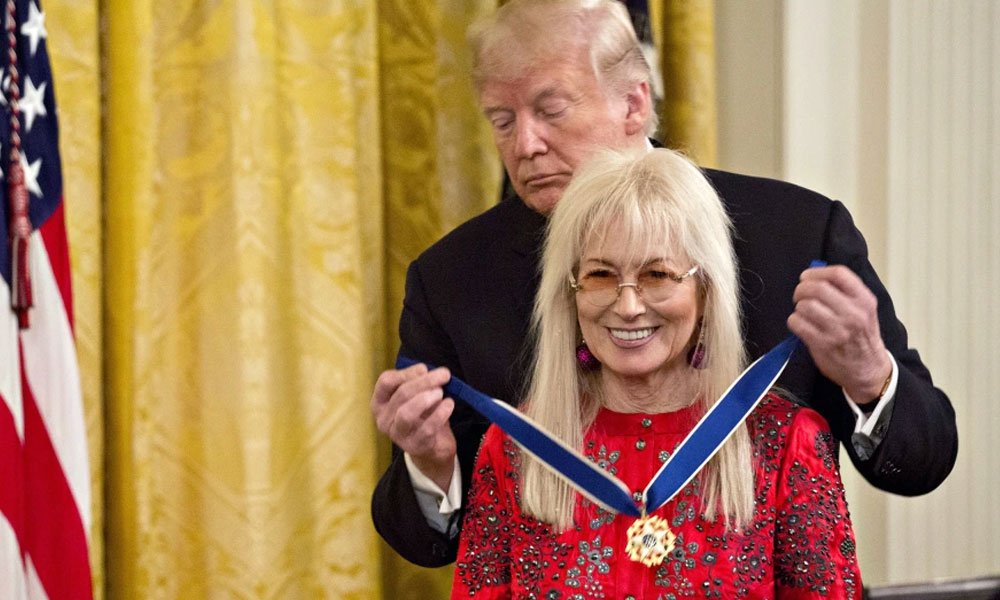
(530,138)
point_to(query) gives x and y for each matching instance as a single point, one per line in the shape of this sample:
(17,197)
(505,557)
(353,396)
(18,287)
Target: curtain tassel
(17,193)
(20,232)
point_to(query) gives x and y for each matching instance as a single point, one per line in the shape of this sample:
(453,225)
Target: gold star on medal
(649,540)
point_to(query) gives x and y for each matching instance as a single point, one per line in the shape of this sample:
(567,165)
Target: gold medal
(649,540)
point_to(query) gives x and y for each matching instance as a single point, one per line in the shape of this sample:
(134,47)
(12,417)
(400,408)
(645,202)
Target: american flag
(44,477)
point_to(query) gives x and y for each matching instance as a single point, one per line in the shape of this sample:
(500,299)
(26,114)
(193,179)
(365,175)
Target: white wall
(747,36)
(893,106)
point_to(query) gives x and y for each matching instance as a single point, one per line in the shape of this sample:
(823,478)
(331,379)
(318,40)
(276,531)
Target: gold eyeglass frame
(633,284)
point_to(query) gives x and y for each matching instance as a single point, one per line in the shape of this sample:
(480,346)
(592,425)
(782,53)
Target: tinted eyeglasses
(602,287)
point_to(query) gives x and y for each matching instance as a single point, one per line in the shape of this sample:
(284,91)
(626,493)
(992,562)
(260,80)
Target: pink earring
(698,356)
(586,359)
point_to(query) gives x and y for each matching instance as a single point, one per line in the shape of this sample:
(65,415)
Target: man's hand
(836,318)
(409,406)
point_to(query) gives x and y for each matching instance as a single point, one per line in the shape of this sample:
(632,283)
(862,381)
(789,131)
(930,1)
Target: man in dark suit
(553,100)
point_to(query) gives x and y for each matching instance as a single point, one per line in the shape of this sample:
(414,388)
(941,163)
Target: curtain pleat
(243,209)
(685,35)
(74,51)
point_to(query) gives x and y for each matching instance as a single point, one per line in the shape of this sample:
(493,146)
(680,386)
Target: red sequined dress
(799,545)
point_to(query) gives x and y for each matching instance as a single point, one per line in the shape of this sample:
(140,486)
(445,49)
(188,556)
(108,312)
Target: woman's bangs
(647,231)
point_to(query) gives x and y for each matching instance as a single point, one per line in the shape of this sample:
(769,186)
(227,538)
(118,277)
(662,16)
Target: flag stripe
(56,541)
(33,585)
(11,470)
(11,438)
(48,348)
(10,363)
(57,249)
(12,574)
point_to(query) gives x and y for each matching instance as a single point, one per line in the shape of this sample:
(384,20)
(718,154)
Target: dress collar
(612,423)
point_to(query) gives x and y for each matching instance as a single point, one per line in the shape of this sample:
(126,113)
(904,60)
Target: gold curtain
(75,55)
(685,37)
(243,222)
(242,203)
(440,169)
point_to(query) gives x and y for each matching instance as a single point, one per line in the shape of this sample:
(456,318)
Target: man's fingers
(837,279)
(816,311)
(422,432)
(835,300)
(805,329)
(397,385)
(436,420)
(818,288)
(410,415)
(388,382)
(402,417)
(416,385)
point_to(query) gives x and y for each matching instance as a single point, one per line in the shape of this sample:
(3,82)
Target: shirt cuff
(438,507)
(870,428)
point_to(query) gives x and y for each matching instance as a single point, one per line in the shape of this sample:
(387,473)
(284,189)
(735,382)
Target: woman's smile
(630,338)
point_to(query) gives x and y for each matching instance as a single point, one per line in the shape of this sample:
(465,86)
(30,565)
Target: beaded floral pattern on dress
(800,537)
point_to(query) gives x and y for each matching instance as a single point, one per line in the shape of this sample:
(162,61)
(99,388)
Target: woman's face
(635,337)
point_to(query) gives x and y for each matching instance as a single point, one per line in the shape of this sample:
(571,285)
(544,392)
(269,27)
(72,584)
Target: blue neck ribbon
(605,489)
(700,445)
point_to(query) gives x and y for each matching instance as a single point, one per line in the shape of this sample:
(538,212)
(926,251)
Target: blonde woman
(637,336)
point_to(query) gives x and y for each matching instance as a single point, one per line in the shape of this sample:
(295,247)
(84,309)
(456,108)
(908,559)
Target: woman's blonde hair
(666,208)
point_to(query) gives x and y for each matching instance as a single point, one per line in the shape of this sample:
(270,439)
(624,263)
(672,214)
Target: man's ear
(639,104)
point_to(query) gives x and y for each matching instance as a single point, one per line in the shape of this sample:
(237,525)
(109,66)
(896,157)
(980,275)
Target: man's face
(549,120)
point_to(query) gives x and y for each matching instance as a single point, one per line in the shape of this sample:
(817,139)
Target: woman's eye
(598,274)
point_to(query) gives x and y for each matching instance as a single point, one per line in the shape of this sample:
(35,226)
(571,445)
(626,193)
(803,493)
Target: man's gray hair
(523,32)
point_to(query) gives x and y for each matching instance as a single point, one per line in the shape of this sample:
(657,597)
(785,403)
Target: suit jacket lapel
(525,235)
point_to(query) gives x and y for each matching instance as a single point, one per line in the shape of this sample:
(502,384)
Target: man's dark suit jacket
(468,305)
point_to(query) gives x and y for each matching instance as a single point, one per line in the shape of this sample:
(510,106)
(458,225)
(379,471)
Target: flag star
(32,103)
(34,27)
(4,87)
(31,175)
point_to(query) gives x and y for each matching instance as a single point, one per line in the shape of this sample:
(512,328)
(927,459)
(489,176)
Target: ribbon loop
(605,489)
